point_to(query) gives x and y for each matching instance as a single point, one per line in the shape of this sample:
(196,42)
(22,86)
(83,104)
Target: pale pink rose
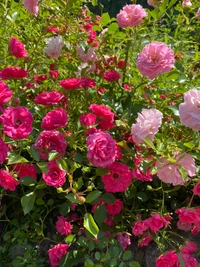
(86,55)
(131,15)
(63,226)
(198,14)
(55,176)
(154,3)
(189,111)
(32,6)
(156,58)
(169,172)
(3,151)
(101,149)
(146,126)
(186,4)
(54,46)
(56,253)
(55,119)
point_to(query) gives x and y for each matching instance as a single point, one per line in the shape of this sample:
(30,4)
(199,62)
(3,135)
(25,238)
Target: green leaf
(43,167)
(149,143)
(40,202)
(28,181)
(52,155)
(34,153)
(69,238)
(108,198)
(127,255)
(27,202)
(174,109)
(62,164)
(71,197)
(189,144)
(90,225)
(100,214)
(179,66)
(182,264)
(92,196)
(113,27)
(64,209)
(105,19)
(94,2)
(13,159)
(101,171)
(97,256)
(183,172)
(134,264)
(172,3)
(142,196)
(88,263)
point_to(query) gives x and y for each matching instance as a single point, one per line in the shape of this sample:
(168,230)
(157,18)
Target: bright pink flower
(49,141)
(106,125)
(147,124)
(196,189)
(140,227)
(186,253)
(145,177)
(5,93)
(184,226)
(87,82)
(3,151)
(131,15)
(124,239)
(7,181)
(198,14)
(115,208)
(54,177)
(111,76)
(189,110)
(101,149)
(50,98)
(169,259)
(156,222)
(54,74)
(188,215)
(32,6)
(17,48)
(110,222)
(24,169)
(156,58)
(63,226)
(119,178)
(17,122)
(40,78)
(13,73)
(86,55)
(145,240)
(102,112)
(54,46)
(56,253)
(169,172)
(71,83)
(55,119)
(88,119)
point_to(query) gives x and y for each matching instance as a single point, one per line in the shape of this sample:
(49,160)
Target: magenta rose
(115,208)
(55,119)
(50,98)
(24,169)
(7,181)
(48,141)
(189,110)
(130,16)
(169,259)
(55,176)
(111,76)
(156,222)
(5,93)
(13,73)
(3,151)
(71,83)
(102,112)
(17,122)
(101,149)
(17,48)
(56,253)
(63,226)
(88,119)
(196,189)
(156,58)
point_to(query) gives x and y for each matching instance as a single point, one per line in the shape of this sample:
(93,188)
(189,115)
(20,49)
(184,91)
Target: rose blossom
(111,76)
(154,3)
(188,215)
(50,98)
(17,122)
(86,55)
(186,253)
(119,178)
(184,226)
(145,239)
(147,124)
(169,172)
(101,149)
(196,189)
(54,46)
(24,169)
(186,3)
(102,112)
(5,93)
(56,253)
(48,141)
(140,227)
(32,6)
(115,208)
(63,226)
(198,14)
(3,151)
(124,239)
(156,58)
(54,177)
(13,73)
(71,83)
(7,181)
(131,15)
(156,222)
(17,48)
(169,259)
(145,177)
(88,119)
(55,119)
(87,82)
(189,111)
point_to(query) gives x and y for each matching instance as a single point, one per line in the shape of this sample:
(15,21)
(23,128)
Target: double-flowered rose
(17,48)
(31,6)
(50,98)
(55,119)
(5,93)
(55,176)
(3,151)
(54,46)
(7,181)
(56,253)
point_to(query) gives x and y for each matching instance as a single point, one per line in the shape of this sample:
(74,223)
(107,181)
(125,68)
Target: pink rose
(186,4)
(119,178)
(156,58)
(48,141)
(131,15)
(102,112)
(111,76)
(154,3)
(32,6)
(124,239)
(101,149)
(7,181)
(71,83)
(88,119)
(17,48)
(56,253)
(24,169)
(145,239)
(156,222)
(63,227)
(5,93)
(54,46)
(188,215)
(138,174)
(50,98)
(169,259)
(86,55)
(13,73)
(196,189)
(198,14)
(87,82)
(184,226)
(186,253)
(147,124)
(17,122)
(3,151)
(115,208)
(140,227)
(169,172)
(189,110)
(54,177)
(55,119)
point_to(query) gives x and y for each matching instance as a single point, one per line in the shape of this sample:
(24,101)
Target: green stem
(128,44)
